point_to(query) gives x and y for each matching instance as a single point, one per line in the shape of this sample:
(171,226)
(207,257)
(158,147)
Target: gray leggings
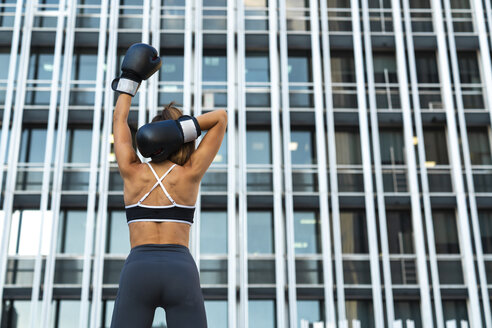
(159,275)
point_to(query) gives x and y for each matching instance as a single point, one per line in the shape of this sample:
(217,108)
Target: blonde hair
(181,156)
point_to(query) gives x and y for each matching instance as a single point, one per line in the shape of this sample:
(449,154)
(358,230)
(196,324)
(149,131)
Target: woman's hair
(184,152)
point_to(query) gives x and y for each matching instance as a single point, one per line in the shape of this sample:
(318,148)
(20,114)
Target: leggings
(159,275)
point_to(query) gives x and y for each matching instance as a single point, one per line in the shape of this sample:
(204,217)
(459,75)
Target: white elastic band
(127,86)
(189,130)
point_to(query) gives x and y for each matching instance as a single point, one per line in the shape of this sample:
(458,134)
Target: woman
(160,271)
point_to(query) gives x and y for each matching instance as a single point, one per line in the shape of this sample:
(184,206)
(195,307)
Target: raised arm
(123,148)
(216,123)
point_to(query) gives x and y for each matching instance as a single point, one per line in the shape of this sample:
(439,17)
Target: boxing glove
(140,62)
(160,139)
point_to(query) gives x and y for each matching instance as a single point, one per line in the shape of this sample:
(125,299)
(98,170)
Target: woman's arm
(216,123)
(123,147)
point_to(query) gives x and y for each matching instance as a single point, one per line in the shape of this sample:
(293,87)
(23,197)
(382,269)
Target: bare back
(182,189)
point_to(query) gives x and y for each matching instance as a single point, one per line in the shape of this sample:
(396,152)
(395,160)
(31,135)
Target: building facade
(353,187)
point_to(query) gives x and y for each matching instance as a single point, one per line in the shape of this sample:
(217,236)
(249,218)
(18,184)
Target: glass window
(261,313)
(342,67)
(214,68)
(348,147)
(445,232)
(258,147)
(118,240)
(479,145)
(71,233)
(360,310)
(427,71)
(65,312)
(306,233)
(78,146)
(4,62)
(216,313)
(84,66)
(213,232)
(468,66)
(408,310)
(400,233)
(40,66)
(354,232)
(257,67)
(392,147)
(485,218)
(260,232)
(309,310)
(455,310)
(420,4)
(172,67)
(301,147)
(436,149)
(338,3)
(221,157)
(33,144)
(384,68)
(16,313)
(299,67)
(24,232)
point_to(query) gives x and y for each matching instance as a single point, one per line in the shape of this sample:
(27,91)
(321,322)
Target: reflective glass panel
(385,67)
(118,240)
(25,230)
(342,67)
(301,147)
(468,66)
(435,144)
(400,232)
(78,146)
(214,68)
(257,67)
(391,142)
(71,233)
(479,145)
(485,218)
(360,310)
(258,149)
(306,232)
(84,66)
(67,313)
(172,67)
(455,310)
(408,310)
(299,67)
(309,310)
(260,232)
(216,313)
(213,232)
(33,143)
(16,314)
(40,66)
(426,64)
(348,147)
(261,313)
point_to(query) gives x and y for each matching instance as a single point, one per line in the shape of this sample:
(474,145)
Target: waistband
(160,247)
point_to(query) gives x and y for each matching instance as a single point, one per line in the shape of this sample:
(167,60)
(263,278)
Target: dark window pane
(172,67)
(392,146)
(403,272)
(4,62)
(342,67)
(468,67)
(479,144)
(213,271)
(362,311)
(455,310)
(485,218)
(260,232)
(436,146)
(309,272)
(385,68)
(356,272)
(408,310)
(450,272)
(426,64)
(348,147)
(306,233)
(261,271)
(16,313)
(299,68)
(84,66)
(354,232)
(400,232)
(445,232)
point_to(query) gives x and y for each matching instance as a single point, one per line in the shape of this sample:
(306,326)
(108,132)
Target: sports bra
(171,213)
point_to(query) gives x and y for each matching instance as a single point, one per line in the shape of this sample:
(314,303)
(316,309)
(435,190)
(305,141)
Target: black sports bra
(171,213)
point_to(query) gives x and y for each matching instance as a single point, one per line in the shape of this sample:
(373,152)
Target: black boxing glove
(140,62)
(160,139)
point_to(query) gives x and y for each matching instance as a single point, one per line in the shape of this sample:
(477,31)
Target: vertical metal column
(468,171)
(429,227)
(383,231)
(231,167)
(332,161)
(321,161)
(289,201)
(45,193)
(462,218)
(104,173)
(242,178)
(367,167)
(155,29)
(187,60)
(277,164)
(16,130)
(143,95)
(59,163)
(95,144)
(419,240)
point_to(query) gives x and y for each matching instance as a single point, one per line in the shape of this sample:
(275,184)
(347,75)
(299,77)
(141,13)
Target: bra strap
(159,181)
